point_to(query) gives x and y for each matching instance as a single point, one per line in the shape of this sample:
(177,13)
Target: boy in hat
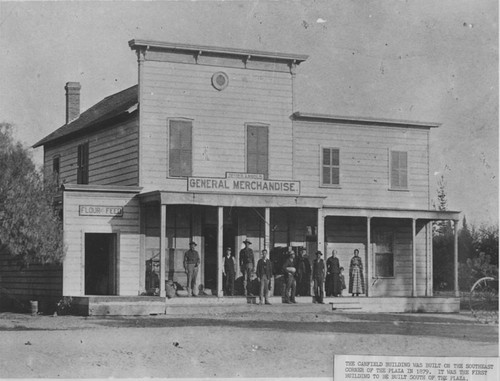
(247,264)
(319,278)
(264,274)
(191,263)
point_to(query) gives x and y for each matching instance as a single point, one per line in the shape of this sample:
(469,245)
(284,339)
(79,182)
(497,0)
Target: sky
(420,60)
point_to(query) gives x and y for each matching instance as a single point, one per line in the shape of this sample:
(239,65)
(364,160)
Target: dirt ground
(260,343)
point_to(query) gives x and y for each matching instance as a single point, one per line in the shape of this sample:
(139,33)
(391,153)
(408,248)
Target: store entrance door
(100,264)
(210,260)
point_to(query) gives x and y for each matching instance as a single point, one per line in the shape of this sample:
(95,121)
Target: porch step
(117,305)
(346,304)
(213,306)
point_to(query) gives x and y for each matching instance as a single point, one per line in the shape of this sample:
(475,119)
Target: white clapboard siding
(113,156)
(170,90)
(364,164)
(127,229)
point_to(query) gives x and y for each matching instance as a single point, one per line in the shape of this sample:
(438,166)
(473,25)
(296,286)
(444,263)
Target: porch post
(413,258)
(163,246)
(267,229)
(455,257)
(369,259)
(220,222)
(321,231)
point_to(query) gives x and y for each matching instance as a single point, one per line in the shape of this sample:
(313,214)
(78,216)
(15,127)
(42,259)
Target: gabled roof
(116,105)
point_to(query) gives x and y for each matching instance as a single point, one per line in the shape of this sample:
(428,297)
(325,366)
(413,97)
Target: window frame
(169,141)
(82,170)
(321,178)
(394,187)
(258,125)
(392,236)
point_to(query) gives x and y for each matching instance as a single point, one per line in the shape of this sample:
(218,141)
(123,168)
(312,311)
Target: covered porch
(395,246)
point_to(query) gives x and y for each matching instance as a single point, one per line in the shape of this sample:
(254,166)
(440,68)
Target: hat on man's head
(247,241)
(319,253)
(193,243)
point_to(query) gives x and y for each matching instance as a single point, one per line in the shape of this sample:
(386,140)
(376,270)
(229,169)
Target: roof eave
(125,115)
(295,58)
(364,120)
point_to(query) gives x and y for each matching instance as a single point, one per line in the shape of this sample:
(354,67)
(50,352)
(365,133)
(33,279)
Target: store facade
(208,147)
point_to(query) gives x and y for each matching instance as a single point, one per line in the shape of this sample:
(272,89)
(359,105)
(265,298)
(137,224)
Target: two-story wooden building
(208,147)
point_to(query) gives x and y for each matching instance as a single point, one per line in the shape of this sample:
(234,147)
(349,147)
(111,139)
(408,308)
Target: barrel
(34,307)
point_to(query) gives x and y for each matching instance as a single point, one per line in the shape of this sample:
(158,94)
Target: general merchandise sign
(243,183)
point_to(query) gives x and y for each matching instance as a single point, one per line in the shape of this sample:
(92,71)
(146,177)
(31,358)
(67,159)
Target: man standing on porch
(319,278)
(247,264)
(191,263)
(264,273)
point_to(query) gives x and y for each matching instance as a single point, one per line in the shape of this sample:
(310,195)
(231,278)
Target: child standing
(342,280)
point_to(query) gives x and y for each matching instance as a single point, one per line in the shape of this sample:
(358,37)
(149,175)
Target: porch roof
(419,214)
(234,200)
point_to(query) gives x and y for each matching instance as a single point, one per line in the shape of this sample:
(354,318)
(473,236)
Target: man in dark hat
(303,273)
(247,264)
(191,264)
(229,272)
(318,278)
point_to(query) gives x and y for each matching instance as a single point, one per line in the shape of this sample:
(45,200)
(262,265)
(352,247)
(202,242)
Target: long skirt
(329,285)
(356,282)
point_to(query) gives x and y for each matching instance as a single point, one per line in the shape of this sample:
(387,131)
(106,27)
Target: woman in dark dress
(356,278)
(334,285)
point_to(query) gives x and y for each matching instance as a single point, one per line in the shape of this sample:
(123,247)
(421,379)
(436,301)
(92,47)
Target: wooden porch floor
(150,305)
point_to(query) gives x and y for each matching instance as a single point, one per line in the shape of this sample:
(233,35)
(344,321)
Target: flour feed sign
(101,211)
(243,183)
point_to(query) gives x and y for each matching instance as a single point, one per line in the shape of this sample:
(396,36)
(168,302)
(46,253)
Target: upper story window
(56,168)
(330,166)
(399,169)
(180,148)
(82,174)
(258,149)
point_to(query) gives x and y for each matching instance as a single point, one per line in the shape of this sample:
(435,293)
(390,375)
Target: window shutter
(82,172)
(258,150)
(180,148)
(399,169)
(262,152)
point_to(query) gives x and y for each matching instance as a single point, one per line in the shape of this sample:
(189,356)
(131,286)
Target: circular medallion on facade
(220,80)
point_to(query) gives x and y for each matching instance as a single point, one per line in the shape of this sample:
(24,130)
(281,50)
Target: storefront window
(384,256)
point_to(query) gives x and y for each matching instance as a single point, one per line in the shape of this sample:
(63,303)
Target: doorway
(100,264)
(210,254)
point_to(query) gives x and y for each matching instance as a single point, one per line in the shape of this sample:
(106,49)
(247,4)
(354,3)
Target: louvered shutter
(399,169)
(258,150)
(180,148)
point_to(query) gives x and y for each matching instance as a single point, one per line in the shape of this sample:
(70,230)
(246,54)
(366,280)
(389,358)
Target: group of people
(297,274)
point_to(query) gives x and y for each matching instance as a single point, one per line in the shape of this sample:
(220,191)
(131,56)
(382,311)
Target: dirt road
(256,344)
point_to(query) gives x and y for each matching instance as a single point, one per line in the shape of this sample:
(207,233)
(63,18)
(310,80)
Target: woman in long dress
(356,278)
(334,286)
